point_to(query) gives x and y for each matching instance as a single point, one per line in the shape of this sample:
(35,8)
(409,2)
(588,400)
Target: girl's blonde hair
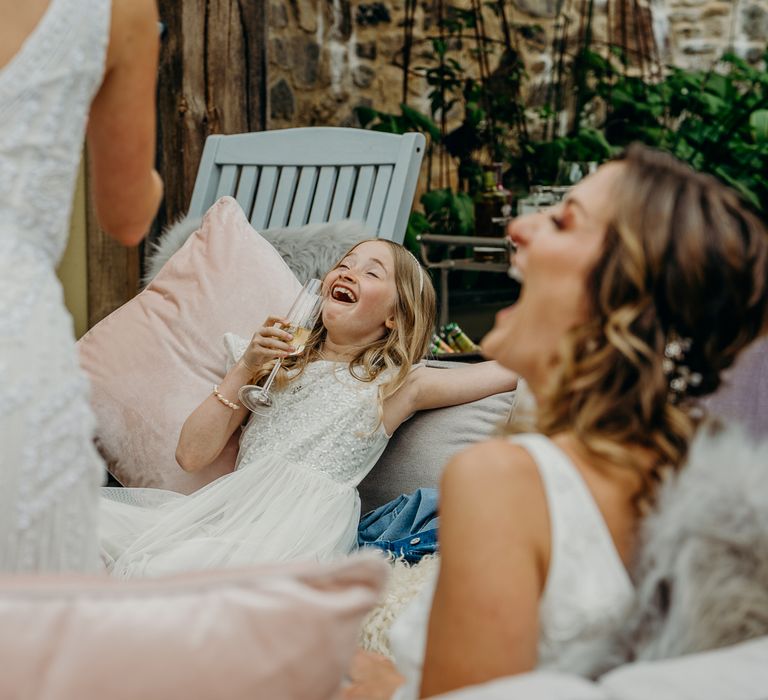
(401,347)
(682,256)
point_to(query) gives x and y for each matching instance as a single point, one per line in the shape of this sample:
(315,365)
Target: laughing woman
(638,291)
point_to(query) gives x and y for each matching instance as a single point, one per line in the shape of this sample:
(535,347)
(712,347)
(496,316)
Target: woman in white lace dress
(638,291)
(60,59)
(294,493)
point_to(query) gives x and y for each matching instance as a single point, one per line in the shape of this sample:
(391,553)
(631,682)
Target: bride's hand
(372,677)
(268,342)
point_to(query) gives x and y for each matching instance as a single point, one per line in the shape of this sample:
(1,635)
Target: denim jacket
(406,526)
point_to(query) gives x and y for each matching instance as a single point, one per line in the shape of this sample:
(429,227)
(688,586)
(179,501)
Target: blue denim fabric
(406,526)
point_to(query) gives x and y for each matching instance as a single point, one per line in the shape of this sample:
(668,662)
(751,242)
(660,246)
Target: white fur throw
(309,251)
(702,575)
(405,582)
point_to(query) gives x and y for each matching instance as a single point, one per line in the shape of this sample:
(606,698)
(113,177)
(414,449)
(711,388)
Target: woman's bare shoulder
(127,12)
(494,479)
(498,458)
(494,510)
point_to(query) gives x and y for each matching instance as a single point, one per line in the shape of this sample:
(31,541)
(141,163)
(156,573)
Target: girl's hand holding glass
(269,342)
(272,342)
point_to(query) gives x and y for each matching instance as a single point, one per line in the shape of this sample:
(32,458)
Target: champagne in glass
(301,317)
(300,338)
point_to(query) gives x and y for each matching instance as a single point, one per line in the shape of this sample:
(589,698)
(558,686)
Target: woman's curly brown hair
(682,254)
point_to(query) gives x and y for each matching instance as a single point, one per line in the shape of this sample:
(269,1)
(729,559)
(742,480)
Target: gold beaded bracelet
(226,402)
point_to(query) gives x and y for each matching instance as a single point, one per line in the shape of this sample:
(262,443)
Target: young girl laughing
(294,489)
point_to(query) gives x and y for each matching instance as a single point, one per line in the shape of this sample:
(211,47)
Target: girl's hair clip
(421,271)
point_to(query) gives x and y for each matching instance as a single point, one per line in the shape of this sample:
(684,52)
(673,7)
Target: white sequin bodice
(325,420)
(292,495)
(45,92)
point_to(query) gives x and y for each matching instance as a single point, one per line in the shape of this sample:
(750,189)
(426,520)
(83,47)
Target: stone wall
(328,56)
(698,31)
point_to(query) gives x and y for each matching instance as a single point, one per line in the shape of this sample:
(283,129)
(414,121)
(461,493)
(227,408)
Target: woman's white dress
(293,493)
(49,470)
(587,594)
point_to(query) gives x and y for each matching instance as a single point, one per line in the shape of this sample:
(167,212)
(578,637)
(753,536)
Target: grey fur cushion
(702,575)
(310,251)
(743,397)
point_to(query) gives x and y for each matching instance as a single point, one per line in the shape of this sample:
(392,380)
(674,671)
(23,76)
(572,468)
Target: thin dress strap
(588,589)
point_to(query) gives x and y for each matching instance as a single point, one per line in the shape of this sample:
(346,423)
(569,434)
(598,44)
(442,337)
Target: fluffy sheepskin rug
(170,240)
(310,251)
(702,573)
(405,582)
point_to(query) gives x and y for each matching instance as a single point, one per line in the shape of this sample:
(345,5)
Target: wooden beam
(212,81)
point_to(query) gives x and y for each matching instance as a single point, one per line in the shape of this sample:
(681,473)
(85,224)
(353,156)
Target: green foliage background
(716,120)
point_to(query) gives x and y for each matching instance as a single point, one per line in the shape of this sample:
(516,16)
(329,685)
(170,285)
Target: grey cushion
(743,397)
(418,451)
(739,672)
(735,673)
(312,250)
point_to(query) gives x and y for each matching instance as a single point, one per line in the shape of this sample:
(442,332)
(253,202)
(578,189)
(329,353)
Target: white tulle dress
(292,495)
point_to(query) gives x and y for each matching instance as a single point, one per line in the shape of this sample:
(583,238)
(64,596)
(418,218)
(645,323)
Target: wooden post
(212,80)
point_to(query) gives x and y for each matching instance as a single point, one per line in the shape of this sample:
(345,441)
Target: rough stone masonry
(328,56)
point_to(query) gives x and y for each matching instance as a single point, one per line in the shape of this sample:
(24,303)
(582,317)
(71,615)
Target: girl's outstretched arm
(434,387)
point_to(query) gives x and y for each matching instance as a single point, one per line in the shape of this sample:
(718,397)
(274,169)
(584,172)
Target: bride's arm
(126,188)
(494,545)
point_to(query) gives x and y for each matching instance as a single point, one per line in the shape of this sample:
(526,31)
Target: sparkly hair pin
(678,374)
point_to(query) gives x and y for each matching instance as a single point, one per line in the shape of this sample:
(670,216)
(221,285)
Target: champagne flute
(570,172)
(301,318)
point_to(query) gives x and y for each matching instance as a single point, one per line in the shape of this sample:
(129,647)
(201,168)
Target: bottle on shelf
(439,346)
(493,208)
(458,339)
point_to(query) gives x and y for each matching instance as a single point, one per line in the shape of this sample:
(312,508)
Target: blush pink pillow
(278,632)
(153,360)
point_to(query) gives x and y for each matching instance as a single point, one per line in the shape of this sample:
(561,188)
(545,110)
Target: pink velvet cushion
(279,632)
(153,360)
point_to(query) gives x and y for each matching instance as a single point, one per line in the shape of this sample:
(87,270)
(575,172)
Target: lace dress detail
(588,590)
(49,470)
(293,493)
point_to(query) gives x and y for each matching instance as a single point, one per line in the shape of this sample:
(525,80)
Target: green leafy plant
(445,211)
(716,120)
